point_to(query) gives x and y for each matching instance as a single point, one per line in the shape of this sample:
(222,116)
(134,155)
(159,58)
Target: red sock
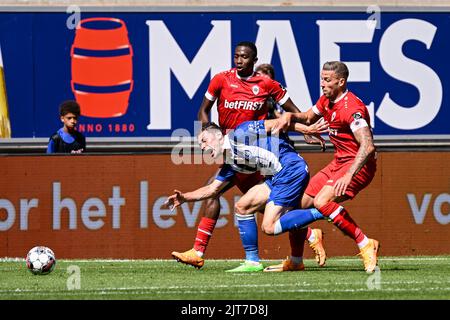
(342,220)
(204,233)
(308,234)
(297,239)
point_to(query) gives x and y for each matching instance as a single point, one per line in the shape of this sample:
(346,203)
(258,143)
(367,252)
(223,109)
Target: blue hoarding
(143,74)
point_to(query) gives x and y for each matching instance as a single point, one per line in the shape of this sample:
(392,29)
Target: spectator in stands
(67,139)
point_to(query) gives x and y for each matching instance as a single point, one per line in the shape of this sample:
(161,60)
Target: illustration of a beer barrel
(102,67)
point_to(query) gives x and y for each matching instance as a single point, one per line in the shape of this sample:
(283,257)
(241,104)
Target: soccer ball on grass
(41,260)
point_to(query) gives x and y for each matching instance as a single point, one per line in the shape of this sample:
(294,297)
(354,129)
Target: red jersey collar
(242,78)
(340,98)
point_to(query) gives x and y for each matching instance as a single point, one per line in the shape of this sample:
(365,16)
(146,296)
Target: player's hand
(315,139)
(175,200)
(341,184)
(320,126)
(282,123)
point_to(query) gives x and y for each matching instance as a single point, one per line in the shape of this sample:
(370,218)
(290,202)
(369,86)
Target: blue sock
(248,230)
(296,219)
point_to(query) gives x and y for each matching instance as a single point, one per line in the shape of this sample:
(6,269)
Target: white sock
(296,260)
(277,228)
(199,253)
(255,263)
(363,243)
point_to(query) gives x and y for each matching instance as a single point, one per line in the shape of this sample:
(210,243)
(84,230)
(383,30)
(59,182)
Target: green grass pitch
(422,277)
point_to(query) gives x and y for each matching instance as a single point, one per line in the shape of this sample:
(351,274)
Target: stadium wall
(215,3)
(109,206)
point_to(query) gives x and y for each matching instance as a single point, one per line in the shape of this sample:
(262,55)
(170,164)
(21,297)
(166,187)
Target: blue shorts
(288,185)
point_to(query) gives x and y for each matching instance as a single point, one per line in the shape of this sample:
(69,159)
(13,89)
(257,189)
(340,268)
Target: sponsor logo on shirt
(244,105)
(333,132)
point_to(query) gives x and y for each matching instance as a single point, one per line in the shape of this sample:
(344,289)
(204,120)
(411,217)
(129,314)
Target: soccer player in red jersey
(241,95)
(354,163)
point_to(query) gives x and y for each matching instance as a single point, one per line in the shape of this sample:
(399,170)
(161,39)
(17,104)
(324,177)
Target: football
(41,260)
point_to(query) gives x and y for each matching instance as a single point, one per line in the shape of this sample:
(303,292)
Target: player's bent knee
(241,208)
(268,228)
(320,202)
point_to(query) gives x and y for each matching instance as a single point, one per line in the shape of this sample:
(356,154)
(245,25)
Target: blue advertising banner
(144,74)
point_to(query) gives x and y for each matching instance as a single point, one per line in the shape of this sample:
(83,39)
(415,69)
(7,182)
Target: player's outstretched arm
(289,106)
(206,192)
(308,117)
(312,132)
(315,129)
(365,151)
(284,122)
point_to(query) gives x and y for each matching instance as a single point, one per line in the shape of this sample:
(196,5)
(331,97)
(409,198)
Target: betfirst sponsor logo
(244,105)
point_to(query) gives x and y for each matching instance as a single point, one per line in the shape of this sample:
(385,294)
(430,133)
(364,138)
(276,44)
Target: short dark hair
(69,106)
(267,69)
(338,67)
(250,45)
(211,125)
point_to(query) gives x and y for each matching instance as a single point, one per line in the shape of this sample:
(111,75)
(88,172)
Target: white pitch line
(196,291)
(232,286)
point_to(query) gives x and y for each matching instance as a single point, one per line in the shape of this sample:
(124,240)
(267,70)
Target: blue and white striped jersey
(252,149)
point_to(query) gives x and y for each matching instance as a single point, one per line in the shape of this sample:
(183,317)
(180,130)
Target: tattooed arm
(366,150)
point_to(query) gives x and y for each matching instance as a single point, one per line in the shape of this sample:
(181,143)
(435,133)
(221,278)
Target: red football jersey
(243,99)
(345,115)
